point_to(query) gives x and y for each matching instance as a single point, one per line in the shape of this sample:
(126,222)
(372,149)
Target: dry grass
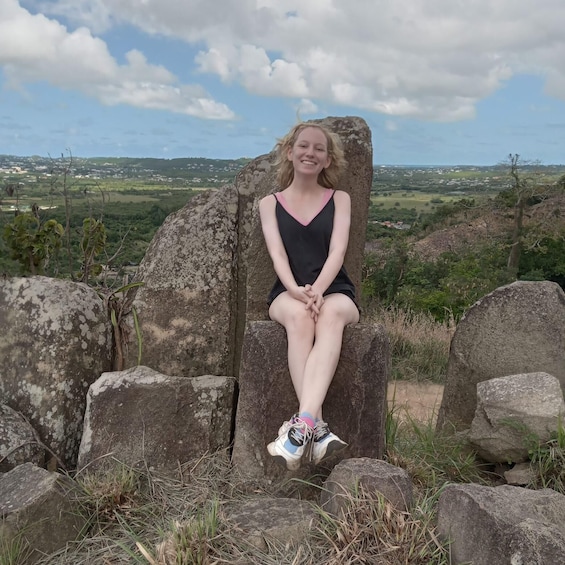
(370,530)
(419,344)
(138,516)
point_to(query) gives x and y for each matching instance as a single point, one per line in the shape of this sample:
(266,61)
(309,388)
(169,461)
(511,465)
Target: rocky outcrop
(518,328)
(40,509)
(505,524)
(19,442)
(355,406)
(514,415)
(185,307)
(141,416)
(369,475)
(55,341)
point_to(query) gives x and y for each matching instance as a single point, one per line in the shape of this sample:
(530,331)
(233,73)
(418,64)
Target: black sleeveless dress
(307,248)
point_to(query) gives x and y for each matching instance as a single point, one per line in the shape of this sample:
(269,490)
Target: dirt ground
(420,400)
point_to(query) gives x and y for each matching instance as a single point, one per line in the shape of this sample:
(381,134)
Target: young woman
(306,229)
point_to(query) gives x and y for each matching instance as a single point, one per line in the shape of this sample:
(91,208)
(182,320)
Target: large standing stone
(39,508)
(186,305)
(139,415)
(514,415)
(56,340)
(502,525)
(355,405)
(518,328)
(19,442)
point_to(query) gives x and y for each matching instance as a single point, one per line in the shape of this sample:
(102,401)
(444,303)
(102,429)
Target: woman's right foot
(292,444)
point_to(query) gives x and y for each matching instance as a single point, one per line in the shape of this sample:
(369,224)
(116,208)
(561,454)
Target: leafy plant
(32,242)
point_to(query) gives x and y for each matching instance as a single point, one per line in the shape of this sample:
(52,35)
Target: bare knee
(337,312)
(300,322)
(293,315)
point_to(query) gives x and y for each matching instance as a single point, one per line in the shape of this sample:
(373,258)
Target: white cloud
(34,48)
(306,107)
(431,59)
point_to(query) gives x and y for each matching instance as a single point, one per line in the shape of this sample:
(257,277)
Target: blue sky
(438,81)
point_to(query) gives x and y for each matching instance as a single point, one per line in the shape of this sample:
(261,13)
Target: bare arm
(276,249)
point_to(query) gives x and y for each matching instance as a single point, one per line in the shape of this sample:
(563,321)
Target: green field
(422,202)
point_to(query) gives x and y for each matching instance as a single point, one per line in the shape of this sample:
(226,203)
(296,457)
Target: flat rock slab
(514,415)
(41,506)
(140,415)
(283,519)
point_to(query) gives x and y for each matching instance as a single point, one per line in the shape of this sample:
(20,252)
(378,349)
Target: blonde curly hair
(329,177)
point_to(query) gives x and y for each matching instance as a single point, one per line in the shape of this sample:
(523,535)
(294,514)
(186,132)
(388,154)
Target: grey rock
(55,342)
(41,507)
(370,475)
(518,328)
(139,415)
(289,521)
(506,525)
(514,415)
(520,475)
(355,405)
(185,307)
(19,442)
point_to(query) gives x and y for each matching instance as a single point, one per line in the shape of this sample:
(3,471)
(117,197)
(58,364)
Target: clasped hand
(312,298)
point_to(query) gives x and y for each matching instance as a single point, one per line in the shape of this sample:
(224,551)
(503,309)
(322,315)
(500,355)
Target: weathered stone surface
(141,415)
(514,414)
(56,340)
(186,305)
(40,506)
(355,406)
(502,525)
(370,475)
(19,442)
(286,520)
(518,328)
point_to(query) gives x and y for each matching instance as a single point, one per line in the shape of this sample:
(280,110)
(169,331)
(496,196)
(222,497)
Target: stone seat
(355,405)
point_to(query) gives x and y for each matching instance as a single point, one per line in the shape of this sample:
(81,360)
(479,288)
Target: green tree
(31,242)
(527,190)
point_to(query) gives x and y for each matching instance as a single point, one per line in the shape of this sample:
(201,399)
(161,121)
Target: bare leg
(337,311)
(300,328)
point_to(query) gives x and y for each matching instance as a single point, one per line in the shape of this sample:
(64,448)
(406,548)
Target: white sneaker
(286,425)
(325,442)
(292,444)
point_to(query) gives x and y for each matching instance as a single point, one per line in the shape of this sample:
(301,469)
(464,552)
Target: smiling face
(309,154)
